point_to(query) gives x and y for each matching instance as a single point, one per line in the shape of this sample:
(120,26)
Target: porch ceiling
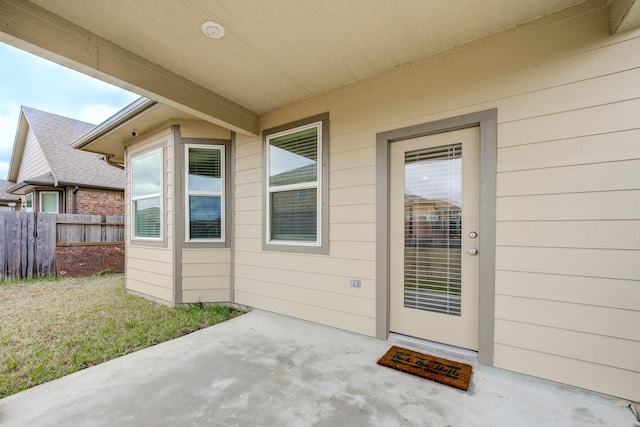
(274,52)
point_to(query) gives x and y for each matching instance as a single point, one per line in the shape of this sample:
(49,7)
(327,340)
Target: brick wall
(76,261)
(90,201)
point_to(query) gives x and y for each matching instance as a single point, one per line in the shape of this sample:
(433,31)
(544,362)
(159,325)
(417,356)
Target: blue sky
(31,81)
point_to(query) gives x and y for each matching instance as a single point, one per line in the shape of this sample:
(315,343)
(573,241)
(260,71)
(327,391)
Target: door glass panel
(432,229)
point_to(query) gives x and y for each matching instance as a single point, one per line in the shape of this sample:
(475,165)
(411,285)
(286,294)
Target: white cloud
(4,170)
(8,127)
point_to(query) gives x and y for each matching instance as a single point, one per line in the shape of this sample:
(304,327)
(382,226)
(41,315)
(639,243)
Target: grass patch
(49,329)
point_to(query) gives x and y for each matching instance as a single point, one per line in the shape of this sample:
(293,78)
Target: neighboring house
(273,172)
(51,176)
(8,201)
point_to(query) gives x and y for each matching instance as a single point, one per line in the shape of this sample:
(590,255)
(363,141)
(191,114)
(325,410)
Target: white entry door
(434,220)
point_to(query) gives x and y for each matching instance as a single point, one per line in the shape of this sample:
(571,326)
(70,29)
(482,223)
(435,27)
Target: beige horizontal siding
(620,116)
(249,162)
(605,234)
(206,270)
(151,265)
(209,295)
(206,275)
(605,205)
(568,205)
(592,376)
(568,210)
(248,190)
(353,159)
(600,148)
(248,244)
(201,129)
(153,254)
(353,196)
(602,89)
(248,231)
(321,298)
(352,177)
(149,290)
(192,256)
(152,284)
(608,176)
(362,232)
(613,264)
(349,215)
(248,203)
(622,294)
(588,347)
(594,319)
(248,217)
(247,149)
(313,264)
(328,283)
(248,176)
(327,316)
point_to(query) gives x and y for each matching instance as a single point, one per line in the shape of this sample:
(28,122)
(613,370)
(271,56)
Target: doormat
(433,368)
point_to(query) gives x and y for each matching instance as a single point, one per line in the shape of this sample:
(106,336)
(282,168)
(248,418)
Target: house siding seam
(568,197)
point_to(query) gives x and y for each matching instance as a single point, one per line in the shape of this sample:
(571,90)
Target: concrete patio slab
(263,369)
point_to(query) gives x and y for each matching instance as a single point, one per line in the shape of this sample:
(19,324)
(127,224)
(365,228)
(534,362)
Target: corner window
(296,170)
(146,195)
(49,201)
(204,193)
(28,202)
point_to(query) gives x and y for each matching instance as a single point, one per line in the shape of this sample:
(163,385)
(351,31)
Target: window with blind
(294,187)
(204,166)
(432,229)
(146,195)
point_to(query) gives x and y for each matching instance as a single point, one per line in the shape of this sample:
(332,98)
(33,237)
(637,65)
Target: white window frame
(57,194)
(220,193)
(133,199)
(26,198)
(317,184)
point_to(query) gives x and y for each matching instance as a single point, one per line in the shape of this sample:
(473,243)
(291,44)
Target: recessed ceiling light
(212,29)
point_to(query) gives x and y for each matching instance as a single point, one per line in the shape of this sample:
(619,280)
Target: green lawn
(49,329)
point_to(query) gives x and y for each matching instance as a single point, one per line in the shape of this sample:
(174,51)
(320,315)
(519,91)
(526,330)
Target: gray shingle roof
(4,196)
(55,135)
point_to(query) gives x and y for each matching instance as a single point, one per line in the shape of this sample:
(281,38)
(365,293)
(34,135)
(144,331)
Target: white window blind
(432,229)
(293,187)
(205,192)
(146,195)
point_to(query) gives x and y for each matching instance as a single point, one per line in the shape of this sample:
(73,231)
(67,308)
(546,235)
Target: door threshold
(435,349)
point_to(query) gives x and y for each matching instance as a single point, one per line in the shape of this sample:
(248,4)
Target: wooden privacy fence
(89,230)
(28,240)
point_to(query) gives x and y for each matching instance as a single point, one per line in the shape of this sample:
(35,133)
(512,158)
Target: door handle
(473,251)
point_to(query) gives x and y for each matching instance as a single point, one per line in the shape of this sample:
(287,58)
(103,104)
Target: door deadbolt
(473,235)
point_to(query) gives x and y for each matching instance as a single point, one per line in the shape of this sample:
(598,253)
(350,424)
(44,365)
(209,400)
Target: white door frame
(487,121)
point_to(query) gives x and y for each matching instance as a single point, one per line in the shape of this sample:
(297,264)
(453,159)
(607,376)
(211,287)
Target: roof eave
(121,117)
(95,187)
